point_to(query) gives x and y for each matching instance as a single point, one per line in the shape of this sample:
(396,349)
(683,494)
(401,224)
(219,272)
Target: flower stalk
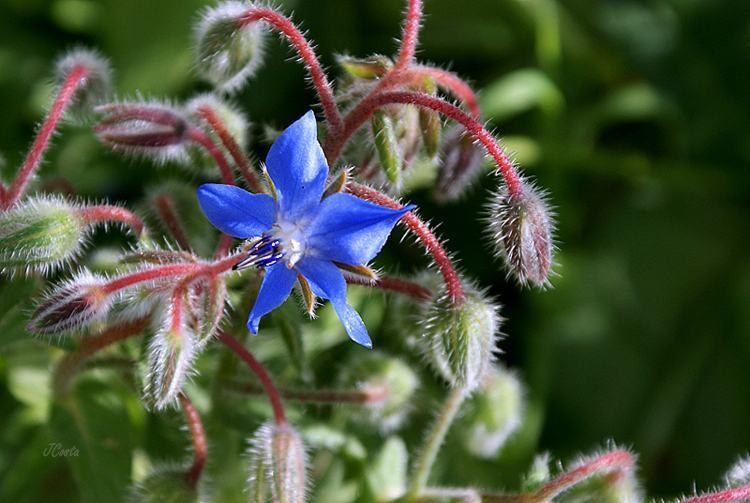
(198,436)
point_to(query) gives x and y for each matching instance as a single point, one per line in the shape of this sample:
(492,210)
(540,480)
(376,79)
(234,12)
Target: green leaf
(93,429)
(387,474)
(519,92)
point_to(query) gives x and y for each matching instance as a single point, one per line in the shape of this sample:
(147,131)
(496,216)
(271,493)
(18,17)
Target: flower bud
(40,234)
(494,413)
(430,123)
(522,228)
(207,300)
(372,67)
(171,353)
(278,465)
(165,484)
(75,304)
(228,52)
(607,477)
(231,117)
(95,87)
(461,161)
(387,146)
(739,473)
(151,130)
(460,338)
(389,383)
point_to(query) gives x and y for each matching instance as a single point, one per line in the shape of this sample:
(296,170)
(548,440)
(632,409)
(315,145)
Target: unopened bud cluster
(278,465)
(97,82)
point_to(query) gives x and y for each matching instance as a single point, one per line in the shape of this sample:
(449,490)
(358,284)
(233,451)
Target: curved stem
(153,274)
(431,446)
(260,372)
(67,91)
(733,495)
(207,143)
(618,461)
(198,436)
(242,161)
(410,35)
(108,213)
(306,53)
(451,278)
(363,396)
(453,84)
(355,121)
(168,215)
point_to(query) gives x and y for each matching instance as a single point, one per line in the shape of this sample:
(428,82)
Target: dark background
(633,114)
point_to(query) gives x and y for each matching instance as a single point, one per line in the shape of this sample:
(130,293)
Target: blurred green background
(634,114)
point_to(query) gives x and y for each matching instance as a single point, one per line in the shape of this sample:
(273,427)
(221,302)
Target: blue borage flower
(297,233)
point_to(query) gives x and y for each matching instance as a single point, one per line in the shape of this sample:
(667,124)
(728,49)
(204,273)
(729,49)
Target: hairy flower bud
(171,353)
(494,413)
(372,67)
(228,51)
(165,484)
(461,160)
(430,123)
(75,304)
(739,473)
(152,130)
(389,384)
(278,465)
(206,303)
(96,85)
(460,338)
(40,234)
(387,147)
(522,229)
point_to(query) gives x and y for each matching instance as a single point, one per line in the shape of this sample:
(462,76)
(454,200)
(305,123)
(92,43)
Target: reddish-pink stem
(242,161)
(225,244)
(390,284)
(410,35)
(354,121)
(451,278)
(733,495)
(166,209)
(207,143)
(108,213)
(453,84)
(111,335)
(156,273)
(615,461)
(260,372)
(307,55)
(198,436)
(67,91)
(364,396)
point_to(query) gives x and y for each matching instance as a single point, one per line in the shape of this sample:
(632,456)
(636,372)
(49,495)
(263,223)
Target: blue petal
(350,230)
(276,287)
(327,282)
(235,211)
(298,168)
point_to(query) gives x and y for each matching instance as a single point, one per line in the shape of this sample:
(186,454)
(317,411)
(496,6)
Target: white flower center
(292,241)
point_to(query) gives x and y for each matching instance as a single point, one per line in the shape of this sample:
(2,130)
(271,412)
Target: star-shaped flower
(297,233)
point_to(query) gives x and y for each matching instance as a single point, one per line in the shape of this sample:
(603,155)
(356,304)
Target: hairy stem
(370,104)
(363,396)
(198,436)
(410,35)
(733,495)
(208,144)
(306,53)
(67,91)
(451,278)
(427,454)
(451,83)
(260,372)
(239,157)
(167,212)
(108,213)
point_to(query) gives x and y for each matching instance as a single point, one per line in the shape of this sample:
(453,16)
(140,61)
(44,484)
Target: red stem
(398,285)
(67,91)
(735,494)
(260,372)
(107,213)
(452,83)
(366,395)
(410,35)
(225,244)
(243,163)
(168,214)
(111,335)
(207,143)
(198,435)
(615,461)
(451,278)
(307,55)
(354,121)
